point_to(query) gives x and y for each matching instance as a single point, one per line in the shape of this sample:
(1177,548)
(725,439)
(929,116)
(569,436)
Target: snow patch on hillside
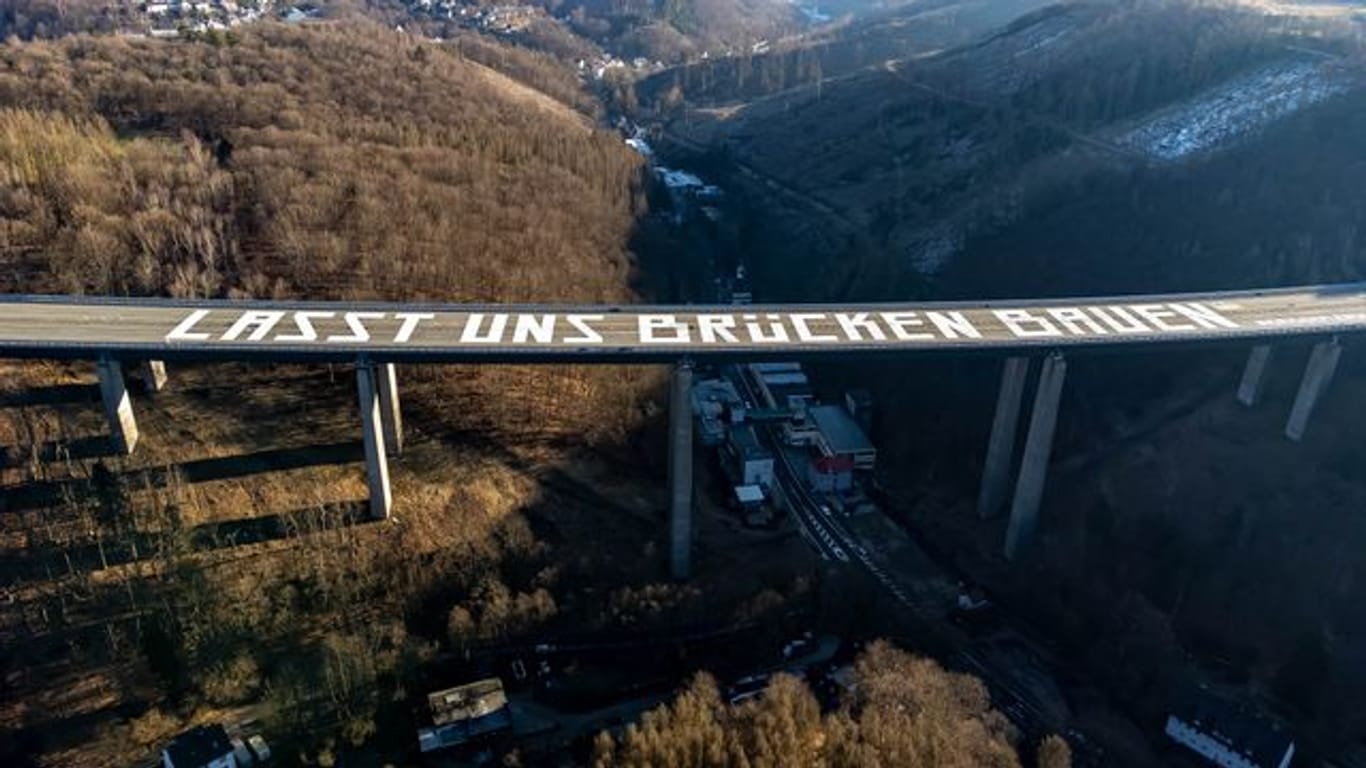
(1234,109)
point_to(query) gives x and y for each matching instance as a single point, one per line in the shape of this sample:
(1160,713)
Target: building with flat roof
(206,746)
(762,368)
(830,474)
(841,436)
(1226,736)
(750,463)
(465,713)
(716,405)
(860,405)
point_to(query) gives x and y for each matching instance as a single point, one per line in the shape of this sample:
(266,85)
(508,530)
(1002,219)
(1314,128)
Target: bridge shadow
(51,452)
(59,394)
(40,494)
(120,549)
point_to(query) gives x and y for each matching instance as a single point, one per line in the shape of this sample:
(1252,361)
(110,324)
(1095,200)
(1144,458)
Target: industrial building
(717,405)
(782,385)
(830,474)
(860,405)
(800,430)
(465,713)
(751,504)
(1225,736)
(748,461)
(840,436)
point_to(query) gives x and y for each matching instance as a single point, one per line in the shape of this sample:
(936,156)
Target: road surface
(71,327)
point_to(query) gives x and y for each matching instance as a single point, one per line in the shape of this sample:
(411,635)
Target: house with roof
(466,713)
(206,746)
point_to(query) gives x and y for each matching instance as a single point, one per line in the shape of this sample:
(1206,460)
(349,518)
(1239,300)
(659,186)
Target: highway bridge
(376,336)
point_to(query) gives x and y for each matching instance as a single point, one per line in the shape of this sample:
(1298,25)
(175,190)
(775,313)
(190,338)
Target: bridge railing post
(1043,422)
(680,472)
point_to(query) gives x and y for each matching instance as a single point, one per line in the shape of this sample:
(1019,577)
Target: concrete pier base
(1318,374)
(1024,512)
(118,406)
(680,473)
(154,376)
(1001,448)
(1254,373)
(372,433)
(389,404)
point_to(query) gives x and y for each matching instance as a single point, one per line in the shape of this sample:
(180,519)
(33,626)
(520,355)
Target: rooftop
(749,494)
(778,378)
(199,746)
(842,433)
(466,702)
(1262,741)
(775,367)
(746,443)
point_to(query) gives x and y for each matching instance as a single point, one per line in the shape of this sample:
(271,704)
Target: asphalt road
(58,327)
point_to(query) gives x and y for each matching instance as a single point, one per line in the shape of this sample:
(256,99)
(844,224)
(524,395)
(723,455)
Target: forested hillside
(1092,149)
(918,156)
(675,30)
(223,564)
(338,161)
(906,30)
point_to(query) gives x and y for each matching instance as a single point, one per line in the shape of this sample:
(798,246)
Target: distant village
(174,18)
(187,18)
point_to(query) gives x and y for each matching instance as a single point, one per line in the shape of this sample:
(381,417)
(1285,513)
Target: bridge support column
(1001,448)
(154,376)
(372,433)
(1250,388)
(1318,374)
(1024,512)
(680,472)
(389,404)
(118,406)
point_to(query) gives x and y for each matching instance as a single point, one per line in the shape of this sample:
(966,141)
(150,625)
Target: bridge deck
(76,327)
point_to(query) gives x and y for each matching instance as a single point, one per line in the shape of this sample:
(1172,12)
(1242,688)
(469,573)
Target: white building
(1223,735)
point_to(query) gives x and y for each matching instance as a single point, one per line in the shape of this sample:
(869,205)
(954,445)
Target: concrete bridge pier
(154,376)
(1024,511)
(680,472)
(389,404)
(1254,373)
(368,378)
(1001,448)
(1318,374)
(118,406)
